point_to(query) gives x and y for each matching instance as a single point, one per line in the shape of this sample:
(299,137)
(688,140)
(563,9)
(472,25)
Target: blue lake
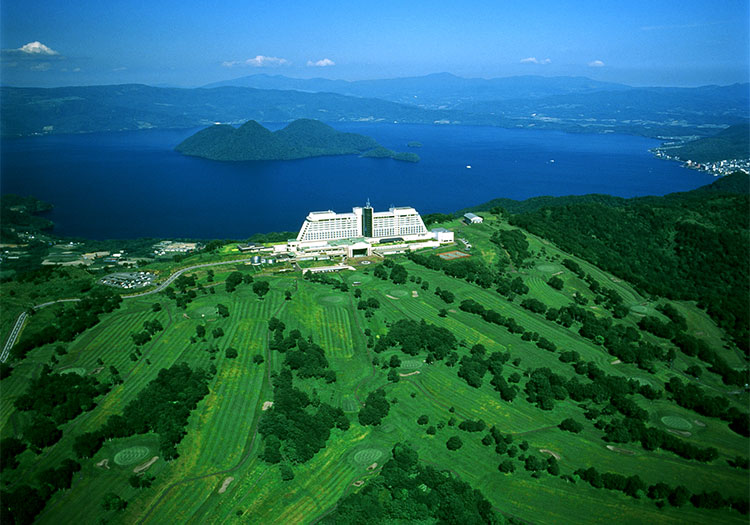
(132,184)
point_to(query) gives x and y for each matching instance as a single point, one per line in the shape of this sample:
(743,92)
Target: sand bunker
(391,297)
(414,293)
(103,464)
(267,405)
(621,450)
(548,451)
(225,485)
(410,374)
(373,466)
(699,423)
(146,465)
(682,433)
(616,362)
(358,483)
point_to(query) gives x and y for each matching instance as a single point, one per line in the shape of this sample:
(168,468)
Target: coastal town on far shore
(717,168)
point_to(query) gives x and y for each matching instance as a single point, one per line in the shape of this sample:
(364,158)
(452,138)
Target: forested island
(303,138)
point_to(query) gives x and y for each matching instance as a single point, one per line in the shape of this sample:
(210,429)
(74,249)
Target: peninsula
(301,139)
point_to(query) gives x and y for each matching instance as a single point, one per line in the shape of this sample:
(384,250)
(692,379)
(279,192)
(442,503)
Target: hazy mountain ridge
(654,112)
(435,91)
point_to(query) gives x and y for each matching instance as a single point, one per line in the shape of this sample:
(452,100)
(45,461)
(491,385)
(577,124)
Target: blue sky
(671,43)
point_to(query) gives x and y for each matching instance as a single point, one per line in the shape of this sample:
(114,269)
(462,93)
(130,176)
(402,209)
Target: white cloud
(37,48)
(596,63)
(534,60)
(321,63)
(258,61)
(41,66)
(119,69)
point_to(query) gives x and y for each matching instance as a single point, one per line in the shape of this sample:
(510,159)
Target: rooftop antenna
(368,203)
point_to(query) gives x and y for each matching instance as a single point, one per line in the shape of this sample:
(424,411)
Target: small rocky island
(301,139)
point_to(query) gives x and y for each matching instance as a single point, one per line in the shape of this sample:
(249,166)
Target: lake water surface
(132,184)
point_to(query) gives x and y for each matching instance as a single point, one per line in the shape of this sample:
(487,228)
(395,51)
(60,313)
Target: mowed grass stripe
(183,501)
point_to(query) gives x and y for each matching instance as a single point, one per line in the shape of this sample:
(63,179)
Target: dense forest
(690,245)
(730,143)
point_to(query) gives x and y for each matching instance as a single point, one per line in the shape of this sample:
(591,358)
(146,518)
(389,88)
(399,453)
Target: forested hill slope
(691,245)
(730,143)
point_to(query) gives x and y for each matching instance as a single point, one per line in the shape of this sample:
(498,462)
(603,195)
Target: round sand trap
(131,455)
(367,456)
(677,422)
(398,293)
(79,371)
(332,299)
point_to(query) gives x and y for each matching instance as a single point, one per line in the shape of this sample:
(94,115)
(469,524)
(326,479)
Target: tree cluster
(693,397)
(678,496)
(415,337)
(291,429)
(469,269)
(24,503)
(406,491)
(514,243)
(72,321)
(163,407)
(322,278)
(375,409)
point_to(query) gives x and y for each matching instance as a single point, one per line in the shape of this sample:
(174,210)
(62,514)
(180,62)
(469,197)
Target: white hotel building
(363,229)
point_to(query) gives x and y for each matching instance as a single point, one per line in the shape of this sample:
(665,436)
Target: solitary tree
(261,288)
(454,443)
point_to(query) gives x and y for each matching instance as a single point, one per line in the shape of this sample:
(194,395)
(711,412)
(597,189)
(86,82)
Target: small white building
(471,218)
(442,235)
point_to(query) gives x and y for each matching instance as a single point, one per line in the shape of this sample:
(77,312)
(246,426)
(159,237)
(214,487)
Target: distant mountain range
(573,104)
(301,139)
(436,91)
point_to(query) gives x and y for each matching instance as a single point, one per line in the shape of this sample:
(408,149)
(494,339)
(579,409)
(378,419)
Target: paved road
(22,318)
(12,338)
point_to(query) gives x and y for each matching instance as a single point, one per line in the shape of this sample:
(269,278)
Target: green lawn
(222,439)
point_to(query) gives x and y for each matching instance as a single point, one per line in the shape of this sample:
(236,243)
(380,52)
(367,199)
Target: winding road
(22,318)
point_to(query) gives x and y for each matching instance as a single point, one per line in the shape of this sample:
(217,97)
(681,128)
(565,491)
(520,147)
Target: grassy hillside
(218,475)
